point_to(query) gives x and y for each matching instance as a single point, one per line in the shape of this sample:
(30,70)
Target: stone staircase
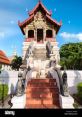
(42,93)
(40,53)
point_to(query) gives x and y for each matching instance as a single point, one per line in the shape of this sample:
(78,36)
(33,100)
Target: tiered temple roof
(3,58)
(33,12)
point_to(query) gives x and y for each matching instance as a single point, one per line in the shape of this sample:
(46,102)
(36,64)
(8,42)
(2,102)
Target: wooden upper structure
(39,26)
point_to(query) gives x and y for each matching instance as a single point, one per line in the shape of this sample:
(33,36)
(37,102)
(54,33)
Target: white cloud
(79,36)
(2,35)
(69,21)
(27,10)
(12,22)
(8,17)
(67,35)
(55,10)
(7,32)
(8,24)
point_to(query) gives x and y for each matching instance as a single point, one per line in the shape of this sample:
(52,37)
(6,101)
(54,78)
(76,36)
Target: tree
(16,63)
(0,68)
(71,56)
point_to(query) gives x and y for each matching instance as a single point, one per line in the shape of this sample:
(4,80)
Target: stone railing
(48,48)
(28,52)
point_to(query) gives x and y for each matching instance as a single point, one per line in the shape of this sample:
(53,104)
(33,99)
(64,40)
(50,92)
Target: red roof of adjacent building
(31,17)
(3,58)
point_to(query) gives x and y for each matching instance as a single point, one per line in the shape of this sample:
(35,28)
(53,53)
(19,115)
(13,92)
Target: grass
(5,90)
(77,101)
(76,105)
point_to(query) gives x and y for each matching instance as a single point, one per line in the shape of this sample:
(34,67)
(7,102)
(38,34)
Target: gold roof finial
(39,1)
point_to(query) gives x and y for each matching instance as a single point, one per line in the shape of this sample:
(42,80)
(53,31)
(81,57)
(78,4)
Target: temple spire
(39,1)
(14,52)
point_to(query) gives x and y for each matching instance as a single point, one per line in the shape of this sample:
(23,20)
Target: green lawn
(5,86)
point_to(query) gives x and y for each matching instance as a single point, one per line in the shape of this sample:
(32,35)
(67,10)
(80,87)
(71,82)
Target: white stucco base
(10,78)
(73,78)
(66,102)
(19,102)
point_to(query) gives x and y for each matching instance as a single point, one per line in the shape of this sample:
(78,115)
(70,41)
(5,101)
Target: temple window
(31,34)
(49,33)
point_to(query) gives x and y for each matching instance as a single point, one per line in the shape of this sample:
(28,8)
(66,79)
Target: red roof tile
(22,24)
(3,58)
(31,17)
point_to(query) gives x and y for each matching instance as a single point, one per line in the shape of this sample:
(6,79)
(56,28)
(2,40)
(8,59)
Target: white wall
(73,78)
(10,78)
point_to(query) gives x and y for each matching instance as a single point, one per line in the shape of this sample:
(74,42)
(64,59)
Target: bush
(79,89)
(0,68)
(75,105)
(5,90)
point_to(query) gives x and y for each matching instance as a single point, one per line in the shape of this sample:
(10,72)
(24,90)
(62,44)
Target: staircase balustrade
(48,48)
(28,52)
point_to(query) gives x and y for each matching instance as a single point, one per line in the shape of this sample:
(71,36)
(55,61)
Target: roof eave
(58,24)
(24,23)
(36,7)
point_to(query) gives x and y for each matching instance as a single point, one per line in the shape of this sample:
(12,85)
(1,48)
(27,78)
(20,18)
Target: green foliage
(16,63)
(0,66)
(5,90)
(79,88)
(75,105)
(71,56)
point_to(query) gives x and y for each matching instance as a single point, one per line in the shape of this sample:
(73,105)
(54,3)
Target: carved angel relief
(39,16)
(39,20)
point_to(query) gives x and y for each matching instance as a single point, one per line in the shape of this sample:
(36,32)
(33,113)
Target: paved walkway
(19,102)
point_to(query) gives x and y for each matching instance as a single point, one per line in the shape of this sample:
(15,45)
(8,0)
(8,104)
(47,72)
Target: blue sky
(69,11)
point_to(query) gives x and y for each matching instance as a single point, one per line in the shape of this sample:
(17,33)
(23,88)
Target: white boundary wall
(10,78)
(73,78)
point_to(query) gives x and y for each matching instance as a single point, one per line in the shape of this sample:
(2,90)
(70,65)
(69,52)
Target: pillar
(54,35)
(44,35)
(35,34)
(26,33)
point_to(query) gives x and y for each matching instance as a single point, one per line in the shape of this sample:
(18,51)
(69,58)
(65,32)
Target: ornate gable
(39,17)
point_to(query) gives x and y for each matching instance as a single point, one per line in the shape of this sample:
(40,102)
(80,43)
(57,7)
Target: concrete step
(42,90)
(39,53)
(41,98)
(40,106)
(39,101)
(47,80)
(42,85)
(45,94)
(48,95)
(43,102)
(42,81)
